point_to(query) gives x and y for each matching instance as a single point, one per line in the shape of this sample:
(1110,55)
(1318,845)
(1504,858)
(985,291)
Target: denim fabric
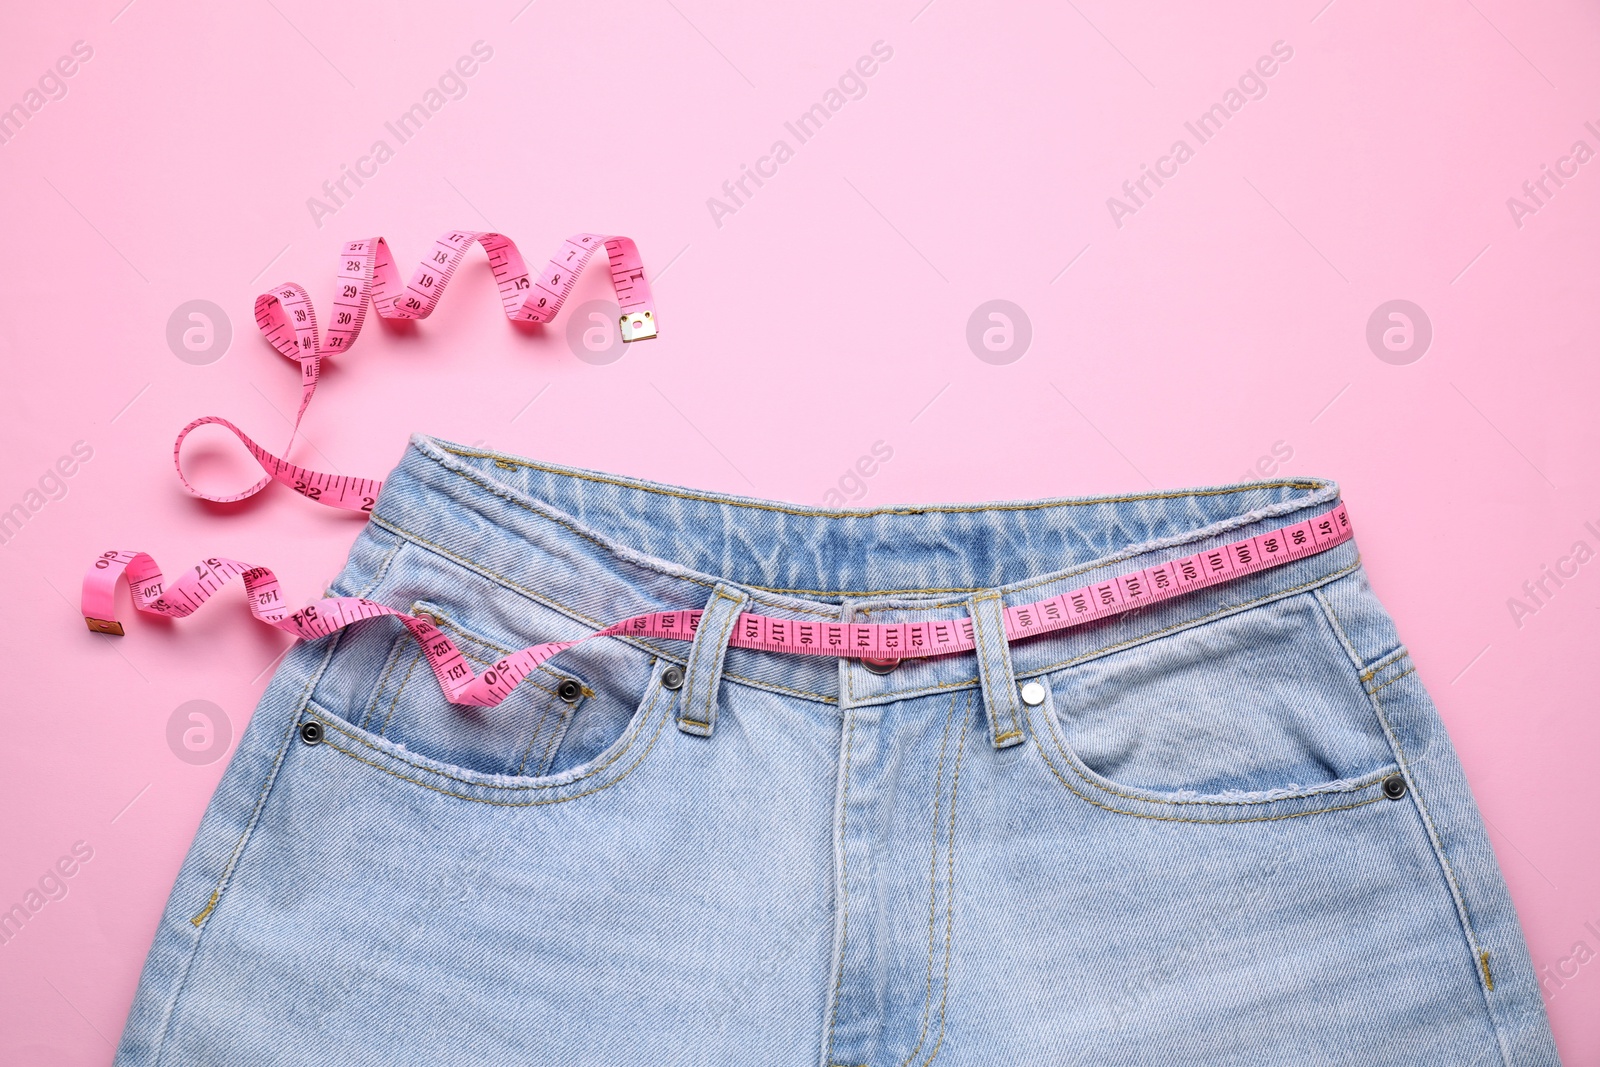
(1187,857)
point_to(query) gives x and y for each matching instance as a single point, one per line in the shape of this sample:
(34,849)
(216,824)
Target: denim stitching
(1338,628)
(300,703)
(867,592)
(1394,657)
(855,514)
(1365,671)
(824,697)
(627,742)
(557,735)
(982,651)
(1474,946)
(1391,681)
(844,887)
(1437,843)
(233,858)
(394,702)
(533,738)
(1365,782)
(395,656)
(1130,552)
(509,803)
(950,889)
(198,921)
(554,697)
(1010,680)
(551,703)
(935,687)
(610,550)
(847,665)
(482,642)
(1276,594)
(712,669)
(504,494)
(1177,818)
(579,616)
(1068,757)
(224,878)
(933,877)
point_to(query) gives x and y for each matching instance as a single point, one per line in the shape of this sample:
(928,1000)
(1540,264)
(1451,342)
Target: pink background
(1225,318)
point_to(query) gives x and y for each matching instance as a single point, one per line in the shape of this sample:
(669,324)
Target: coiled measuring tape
(872,641)
(367,274)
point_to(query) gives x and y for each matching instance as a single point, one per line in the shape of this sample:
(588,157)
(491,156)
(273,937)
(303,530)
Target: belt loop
(1001,702)
(697,708)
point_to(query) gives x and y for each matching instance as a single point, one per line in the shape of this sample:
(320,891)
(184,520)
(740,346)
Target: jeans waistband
(599,547)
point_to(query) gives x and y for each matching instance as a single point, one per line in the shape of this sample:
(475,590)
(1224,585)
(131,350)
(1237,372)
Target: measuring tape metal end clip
(873,644)
(640,326)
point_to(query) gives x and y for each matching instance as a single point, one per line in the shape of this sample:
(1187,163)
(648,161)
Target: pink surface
(845,293)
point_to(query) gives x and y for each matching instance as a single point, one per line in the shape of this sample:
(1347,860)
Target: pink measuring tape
(877,641)
(367,272)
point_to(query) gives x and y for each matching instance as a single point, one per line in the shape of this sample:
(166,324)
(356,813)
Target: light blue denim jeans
(1235,833)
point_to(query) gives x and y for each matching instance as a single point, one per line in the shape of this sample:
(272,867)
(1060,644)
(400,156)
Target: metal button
(311,731)
(1394,786)
(1033,694)
(569,691)
(672,678)
(880,666)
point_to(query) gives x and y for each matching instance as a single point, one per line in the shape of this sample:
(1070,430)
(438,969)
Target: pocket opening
(621,758)
(1253,708)
(557,718)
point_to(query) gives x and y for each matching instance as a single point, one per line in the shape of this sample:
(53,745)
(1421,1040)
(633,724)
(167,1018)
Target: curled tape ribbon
(367,272)
(882,641)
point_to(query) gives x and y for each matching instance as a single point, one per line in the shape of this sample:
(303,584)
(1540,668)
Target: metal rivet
(311,732)
(428,617)
(672,678)
(1033,694)
(569,691)
(880,666)
(1394,786)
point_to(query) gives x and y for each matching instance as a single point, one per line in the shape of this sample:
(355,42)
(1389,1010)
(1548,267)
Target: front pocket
(608,766)
(1254,708)
(559,716)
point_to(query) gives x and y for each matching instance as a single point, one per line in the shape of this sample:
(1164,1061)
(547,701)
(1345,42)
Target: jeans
(1235,832)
